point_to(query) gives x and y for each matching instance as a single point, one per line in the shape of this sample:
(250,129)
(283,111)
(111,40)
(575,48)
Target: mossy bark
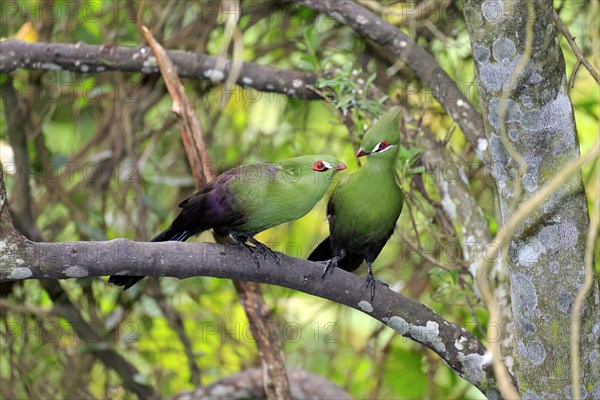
(546,256)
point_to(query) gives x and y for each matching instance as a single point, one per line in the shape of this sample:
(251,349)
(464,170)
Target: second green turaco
(364,207)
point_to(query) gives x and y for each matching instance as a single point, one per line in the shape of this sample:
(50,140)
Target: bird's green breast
(367,205)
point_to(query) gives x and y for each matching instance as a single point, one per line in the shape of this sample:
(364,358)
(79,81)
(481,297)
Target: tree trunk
(531,134)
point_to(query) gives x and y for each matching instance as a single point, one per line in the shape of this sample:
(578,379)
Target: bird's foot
(372,281)
(243,241)
(252,250)
(329,265)
(264,250)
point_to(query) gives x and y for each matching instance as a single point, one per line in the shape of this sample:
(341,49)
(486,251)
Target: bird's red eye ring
(382,146)
(319,166)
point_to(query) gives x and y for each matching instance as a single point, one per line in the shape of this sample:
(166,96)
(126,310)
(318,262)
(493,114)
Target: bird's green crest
(386,129)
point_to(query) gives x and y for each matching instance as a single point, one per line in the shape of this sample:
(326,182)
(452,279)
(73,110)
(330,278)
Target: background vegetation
(132,172)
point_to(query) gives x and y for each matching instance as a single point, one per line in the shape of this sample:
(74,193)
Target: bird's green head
(314,173)
(312,168)
(304,180)
(383,139)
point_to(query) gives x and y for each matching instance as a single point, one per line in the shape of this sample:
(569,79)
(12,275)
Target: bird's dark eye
(382,146)
(320,166)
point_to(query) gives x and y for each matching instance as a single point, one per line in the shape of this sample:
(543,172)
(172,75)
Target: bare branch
(189,125)
(85,58)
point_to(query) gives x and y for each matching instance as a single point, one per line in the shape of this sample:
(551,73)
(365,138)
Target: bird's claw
(252,252)
(329,266)
(264,250)
(371,282)
(243,242)
(267,250)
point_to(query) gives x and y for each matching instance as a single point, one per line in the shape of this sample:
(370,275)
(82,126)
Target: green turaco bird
(364,207)
(249,199)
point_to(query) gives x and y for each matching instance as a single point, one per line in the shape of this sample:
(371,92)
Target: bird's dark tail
(322,252)
(351,262)
(168,234)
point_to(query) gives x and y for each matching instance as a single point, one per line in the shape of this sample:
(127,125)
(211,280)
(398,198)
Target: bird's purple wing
(214,206)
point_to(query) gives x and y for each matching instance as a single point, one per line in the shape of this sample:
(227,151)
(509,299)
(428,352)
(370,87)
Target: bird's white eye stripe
(381,147)
(327,165)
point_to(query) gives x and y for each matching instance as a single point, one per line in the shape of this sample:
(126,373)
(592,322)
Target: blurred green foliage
(132,172)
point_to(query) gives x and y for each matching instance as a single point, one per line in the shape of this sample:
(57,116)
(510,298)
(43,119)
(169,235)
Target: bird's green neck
(382,162)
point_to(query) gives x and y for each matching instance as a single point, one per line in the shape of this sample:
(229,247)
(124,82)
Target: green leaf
(369,81)
(404,373)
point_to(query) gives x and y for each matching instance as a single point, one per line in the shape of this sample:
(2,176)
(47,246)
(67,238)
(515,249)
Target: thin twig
(581,295)
(414,225)
(176,321)
(462,284)
(571,82)
(26,309)
(189,126)
(420,251)
(571,40)
(380,364)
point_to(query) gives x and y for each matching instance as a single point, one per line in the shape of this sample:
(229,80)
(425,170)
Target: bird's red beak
(361,153)
(340,166)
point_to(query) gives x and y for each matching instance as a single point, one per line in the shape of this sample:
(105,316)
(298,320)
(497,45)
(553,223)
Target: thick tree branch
(421,62)
(460,349)
(85,58)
